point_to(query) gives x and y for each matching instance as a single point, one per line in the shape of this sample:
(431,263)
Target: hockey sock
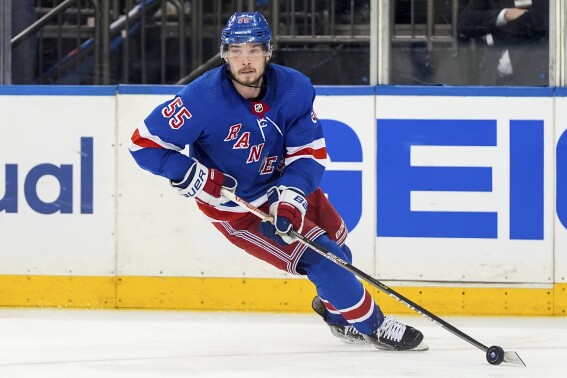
(344,297)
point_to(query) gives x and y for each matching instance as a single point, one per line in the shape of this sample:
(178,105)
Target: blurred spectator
(24,55)
(515,34)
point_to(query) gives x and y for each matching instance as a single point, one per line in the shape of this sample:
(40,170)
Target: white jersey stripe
(316,144)
(292,153)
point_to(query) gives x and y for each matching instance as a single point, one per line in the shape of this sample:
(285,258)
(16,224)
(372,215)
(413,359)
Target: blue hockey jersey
(274,141)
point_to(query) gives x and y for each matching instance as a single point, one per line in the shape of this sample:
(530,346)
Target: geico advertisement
(466,187)
(57,185)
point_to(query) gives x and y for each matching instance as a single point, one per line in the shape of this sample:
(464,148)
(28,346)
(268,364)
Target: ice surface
(128,343)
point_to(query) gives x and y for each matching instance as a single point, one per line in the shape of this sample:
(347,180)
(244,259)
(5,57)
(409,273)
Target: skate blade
(422,347)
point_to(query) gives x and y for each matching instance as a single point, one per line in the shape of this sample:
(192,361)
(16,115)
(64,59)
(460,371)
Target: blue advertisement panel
(465,186)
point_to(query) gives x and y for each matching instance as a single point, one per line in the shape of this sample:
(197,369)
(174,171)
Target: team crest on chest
(240,139)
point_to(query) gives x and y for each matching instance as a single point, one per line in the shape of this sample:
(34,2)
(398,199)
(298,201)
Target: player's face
(247,62)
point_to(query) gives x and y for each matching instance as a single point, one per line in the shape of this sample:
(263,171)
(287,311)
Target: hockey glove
(205,184)
(288,207)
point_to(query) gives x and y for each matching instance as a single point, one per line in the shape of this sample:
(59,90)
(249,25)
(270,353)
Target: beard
(248,77)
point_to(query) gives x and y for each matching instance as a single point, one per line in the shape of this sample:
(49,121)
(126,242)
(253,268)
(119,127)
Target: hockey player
(252,129)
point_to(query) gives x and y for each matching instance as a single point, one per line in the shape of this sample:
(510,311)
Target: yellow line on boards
(261,294)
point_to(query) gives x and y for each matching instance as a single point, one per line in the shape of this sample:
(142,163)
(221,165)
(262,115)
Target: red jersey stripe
(360,311)
(138,140)
(320,153)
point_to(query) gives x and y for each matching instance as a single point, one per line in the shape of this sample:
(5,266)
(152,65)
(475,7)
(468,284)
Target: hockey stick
(494,355)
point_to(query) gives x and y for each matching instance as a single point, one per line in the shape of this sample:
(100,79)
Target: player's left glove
(205,184)
(288,207)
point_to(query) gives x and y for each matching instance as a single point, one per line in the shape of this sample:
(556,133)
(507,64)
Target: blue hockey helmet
(246,27)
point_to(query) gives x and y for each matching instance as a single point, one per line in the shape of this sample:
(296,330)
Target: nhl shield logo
(259,108)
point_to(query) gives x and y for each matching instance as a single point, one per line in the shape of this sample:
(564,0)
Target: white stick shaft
(253,209)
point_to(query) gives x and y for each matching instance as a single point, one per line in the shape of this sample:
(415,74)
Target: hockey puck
(495,355)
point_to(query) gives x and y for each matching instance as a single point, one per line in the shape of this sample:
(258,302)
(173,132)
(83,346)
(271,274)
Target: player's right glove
(205,184)
(288,207)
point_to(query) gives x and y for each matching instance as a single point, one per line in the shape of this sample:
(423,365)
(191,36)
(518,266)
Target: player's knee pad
(348,253)
(315,265)
(311,257)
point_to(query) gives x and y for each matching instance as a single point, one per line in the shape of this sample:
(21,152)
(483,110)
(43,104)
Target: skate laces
(351,331)
(391,329)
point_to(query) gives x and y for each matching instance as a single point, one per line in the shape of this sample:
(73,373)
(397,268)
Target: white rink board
(491,260)
(160,233)
(47,130)
(357,113)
